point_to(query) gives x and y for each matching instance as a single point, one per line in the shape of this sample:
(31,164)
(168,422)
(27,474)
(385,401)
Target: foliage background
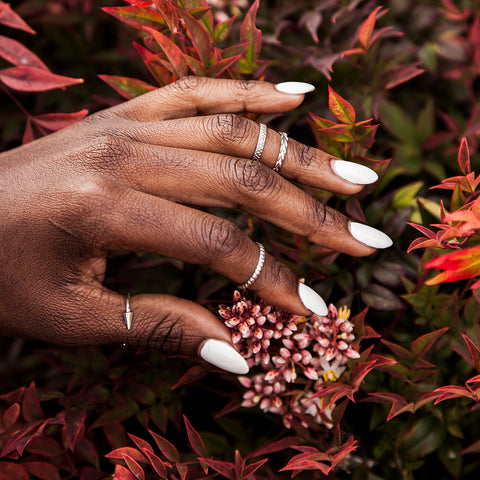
(416,73)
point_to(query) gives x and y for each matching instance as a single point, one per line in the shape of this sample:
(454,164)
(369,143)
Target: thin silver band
(128,315)
(258,269)
(262,136)
(283,151)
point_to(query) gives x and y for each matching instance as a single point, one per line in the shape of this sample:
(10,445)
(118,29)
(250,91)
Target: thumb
(172,325)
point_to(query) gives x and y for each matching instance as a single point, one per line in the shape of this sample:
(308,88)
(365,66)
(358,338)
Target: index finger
(192,96)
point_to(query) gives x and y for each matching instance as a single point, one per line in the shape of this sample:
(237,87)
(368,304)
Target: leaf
(473,448)
(134,467)
(224,468)
(10,470)
(14,52)
(250,34)
(342,110)
(31,79)
(31,408)
(151,60)
(121,473)
(119,453)
(193,374)
(157,464)
(464,157)
(10,416)
(20,438)
(172,51)
(252,468)
(43,470)
(474,351)
(379,297)
(307,465)
(403,75)
(57,121)
(170,452)
(425,437)
(273,447)
(199,36)
(220,66)
(127,87)
(75,420)
(405,196)
(422,344)
(194,438)
(137,17)
(11,19)
(222,29)
(366,29)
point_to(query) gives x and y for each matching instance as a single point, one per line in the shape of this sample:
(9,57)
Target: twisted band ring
(282,152)
(258,268)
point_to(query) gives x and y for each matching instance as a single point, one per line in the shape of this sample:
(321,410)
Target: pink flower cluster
(298,357)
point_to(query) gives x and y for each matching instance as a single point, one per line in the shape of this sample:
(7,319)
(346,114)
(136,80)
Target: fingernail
(222,355)
(294,88)
(369,236)
(354,172)
(312,300)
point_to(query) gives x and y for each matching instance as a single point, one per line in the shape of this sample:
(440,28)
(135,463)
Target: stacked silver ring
(262,136)
(283,151)
(128,314)
(258,268)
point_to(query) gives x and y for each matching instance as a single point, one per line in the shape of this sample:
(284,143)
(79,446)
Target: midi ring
(283,151)
(128,314)
(262,136)
(258,268)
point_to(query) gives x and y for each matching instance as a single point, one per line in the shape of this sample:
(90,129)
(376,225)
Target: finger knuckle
(166,334)
(187,84)
(253,178)
(323,216)
(108,151)
(304,155)
(230,128)
(221,238)
(247,85)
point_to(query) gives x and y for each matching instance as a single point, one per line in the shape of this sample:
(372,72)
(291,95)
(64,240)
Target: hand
(122,179)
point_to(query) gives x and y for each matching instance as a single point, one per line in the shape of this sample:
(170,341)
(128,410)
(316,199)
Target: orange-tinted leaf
(342,110)
(195,440)
(14,52)
(367,27)
(365,134)
(165,447)
(251,34)
(307,465)
(343,451)
(464,156)
(172,51)
(57,121)
(422,344)
(137,17)
(127,87)
(11,19)
(31,79)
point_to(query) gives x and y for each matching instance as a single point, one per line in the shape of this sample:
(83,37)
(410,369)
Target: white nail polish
(369,236)
(294,88)
(312,300)
(222,355)
(354,172)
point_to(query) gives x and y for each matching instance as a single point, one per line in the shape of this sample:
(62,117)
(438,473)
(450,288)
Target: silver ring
(258,268)
(262,136)
(128,315)
(283,151)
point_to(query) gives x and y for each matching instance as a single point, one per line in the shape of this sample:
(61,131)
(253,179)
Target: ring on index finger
(262,136)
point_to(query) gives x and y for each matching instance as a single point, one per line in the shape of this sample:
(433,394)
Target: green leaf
(222,29)
(200,38)
(137,17)
(381,298)
(251,34)
(342,110)
(405,196)
(397,122)
(426,436)
(422,344)
(127,87)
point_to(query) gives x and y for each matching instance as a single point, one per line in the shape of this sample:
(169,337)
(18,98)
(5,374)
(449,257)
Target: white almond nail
(312,300)
(222,355)
(369,236)
(354,172)
(295,88)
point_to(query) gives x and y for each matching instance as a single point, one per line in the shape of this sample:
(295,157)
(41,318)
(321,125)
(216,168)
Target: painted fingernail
(354,172)
(294,88)
(369,236)
(222,355)
(312,300)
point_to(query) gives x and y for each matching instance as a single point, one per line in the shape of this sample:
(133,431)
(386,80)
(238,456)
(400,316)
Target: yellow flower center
(300,320)
(344,313)
(330,376)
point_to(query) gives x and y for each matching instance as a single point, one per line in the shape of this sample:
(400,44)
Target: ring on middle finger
(283,151)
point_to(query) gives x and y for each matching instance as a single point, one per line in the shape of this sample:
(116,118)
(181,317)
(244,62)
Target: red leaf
(252,468)
(127,87)
(14,52)
(166,447)
(367,27)
(43,470)
(31,79)
(19,440)
(28,135)
(57,121)
(251,34)
(75,420)
(119,453)
(403,75)
(151,60)
(9,470)
(11,19)
(342,110)
(199,36)
(172,51)
(10,416)
(134,467)
(31,408)
(307,465)
(143,445)
(182,469)
(222,29)
(45,446)
(344,450)
(277,446)
(219,67)
(224,468)
(195,440)
(422,344)
(473,448)
(121,473)
(474,352)
(191,375)
(464,156)
(157,464)
(136,16)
